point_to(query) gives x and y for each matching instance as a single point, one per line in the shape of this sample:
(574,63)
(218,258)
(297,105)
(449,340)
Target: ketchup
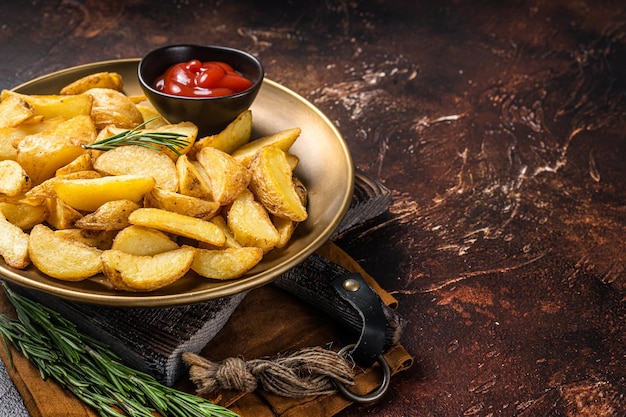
(201,79)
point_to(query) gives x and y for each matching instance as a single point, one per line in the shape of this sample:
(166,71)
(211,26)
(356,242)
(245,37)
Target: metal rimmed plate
(325,168)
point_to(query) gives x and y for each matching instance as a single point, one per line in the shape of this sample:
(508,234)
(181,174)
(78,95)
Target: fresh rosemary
(90,370)
(139,136)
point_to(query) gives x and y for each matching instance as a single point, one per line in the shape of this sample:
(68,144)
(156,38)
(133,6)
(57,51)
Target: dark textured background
(499,127)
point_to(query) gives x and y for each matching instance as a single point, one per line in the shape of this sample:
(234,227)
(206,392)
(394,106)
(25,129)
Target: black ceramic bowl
(210,114)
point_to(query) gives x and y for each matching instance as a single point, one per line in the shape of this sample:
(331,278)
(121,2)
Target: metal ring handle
(376,394)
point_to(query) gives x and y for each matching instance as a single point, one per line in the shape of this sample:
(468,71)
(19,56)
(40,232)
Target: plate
(325,168)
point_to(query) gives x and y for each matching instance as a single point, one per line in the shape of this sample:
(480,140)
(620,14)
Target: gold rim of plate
(325,167)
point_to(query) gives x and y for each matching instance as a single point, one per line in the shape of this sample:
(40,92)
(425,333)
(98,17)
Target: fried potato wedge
(151,116)
(10,136)
(13,244)
(112,107)
(178,224)
(282,140)
(228,263)
(142,161)
(180,203)
(60,214)
(62,258)
(235,135)
(111,80)
(112,215)
(100,239)
(227,177)
(143,241)
(14,110)
(187,129)
(43,153)
(13,179)
(192,180)
(272,184)
(50,106)
(24,216)
(250,223)
(89,194)
(39,193)
(80,164)
(137,273)
(231,242)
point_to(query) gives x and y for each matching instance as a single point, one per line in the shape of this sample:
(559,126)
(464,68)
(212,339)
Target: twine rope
(310,371)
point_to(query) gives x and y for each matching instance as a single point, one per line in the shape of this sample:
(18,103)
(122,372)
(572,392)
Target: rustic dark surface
(499,127)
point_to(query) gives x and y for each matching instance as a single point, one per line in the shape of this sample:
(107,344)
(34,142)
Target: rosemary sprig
(138,136)
(88,368)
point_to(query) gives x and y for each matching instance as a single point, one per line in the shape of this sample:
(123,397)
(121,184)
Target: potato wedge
(112,215)
(13,244)
(10,136)
(50,106)
(43,153)
(282,140)
(100,239)
(81,163)
(139,160)
(62,258)
(180,203)
(188,129)
(39,193)
(192,180)
(60,214)
(178,224)
(143,241)
(231,242)
(111,80)
(229,263)
(250,223)
(111,107)
(235,135)
(89,194)
(150,113)
(13,179)
(227,177)
(272,184)
(24,216)
(14,110)
(138,273)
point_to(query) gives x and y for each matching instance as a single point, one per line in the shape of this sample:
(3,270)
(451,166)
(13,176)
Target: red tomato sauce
(201,79)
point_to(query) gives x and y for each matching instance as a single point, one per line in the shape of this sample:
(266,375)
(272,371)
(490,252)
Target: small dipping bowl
(210,114)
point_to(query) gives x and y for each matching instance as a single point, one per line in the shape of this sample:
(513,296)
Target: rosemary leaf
(88,369)
(149,139)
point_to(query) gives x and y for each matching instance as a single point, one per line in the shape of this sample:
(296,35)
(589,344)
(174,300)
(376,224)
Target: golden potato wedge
(62,258)
(235,135)
(50,106)
(111,107)
(100,239)
(14,110)
(13,244)
(178,224)
(60,214)
(192,180)
(13,179)
(143,241)
(282,140)
(39,193)
(227,177)
(24,216)
(228,263)
(285,228)
(272,184)
(231,242)
(180,203)
(150,113)
(250,223)
(188,129)
(10,136)
(139,160)
(43,153)
(89,194)
(112,215)
(130,272)
(81,164)
(111,80)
